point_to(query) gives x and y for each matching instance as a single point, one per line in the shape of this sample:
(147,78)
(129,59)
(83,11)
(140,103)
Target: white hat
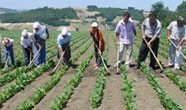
(24,32)
(94,24)
(64,31)
(36,25)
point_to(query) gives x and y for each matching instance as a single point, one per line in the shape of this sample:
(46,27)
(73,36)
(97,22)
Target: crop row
(41,92)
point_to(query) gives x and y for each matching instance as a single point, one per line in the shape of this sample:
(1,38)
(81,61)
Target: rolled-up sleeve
(23,43)
(143,26)
(70,37)
(58,41)
(133,26)
(184,34)
(117,30)
(170,26)
(158,31)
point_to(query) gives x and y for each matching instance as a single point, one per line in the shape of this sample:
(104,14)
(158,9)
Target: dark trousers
(143,52)
(27,55)
(98,57)
(67,54)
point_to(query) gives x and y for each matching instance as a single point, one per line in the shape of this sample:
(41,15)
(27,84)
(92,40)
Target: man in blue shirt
(63,42)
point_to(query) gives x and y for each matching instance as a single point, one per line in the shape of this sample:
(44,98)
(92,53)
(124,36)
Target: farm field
(78,86)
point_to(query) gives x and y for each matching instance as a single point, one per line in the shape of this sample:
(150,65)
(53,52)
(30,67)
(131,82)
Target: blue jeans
(41,57)
(9,50)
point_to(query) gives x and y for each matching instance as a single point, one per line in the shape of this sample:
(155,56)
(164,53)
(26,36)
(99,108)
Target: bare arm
(168,35)
(117,38)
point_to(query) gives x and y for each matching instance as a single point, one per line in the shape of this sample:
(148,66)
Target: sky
(138,4)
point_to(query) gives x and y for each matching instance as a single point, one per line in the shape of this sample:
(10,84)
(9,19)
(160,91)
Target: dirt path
(146,98)
(173,90)
(30,89)
(112,95)
(51,95)
(80,100)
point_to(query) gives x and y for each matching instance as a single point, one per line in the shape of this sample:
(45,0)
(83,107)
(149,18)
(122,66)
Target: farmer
(151,31)
(8,49)
(39,43)
(176,33)
(26,43)
(99,43)
(63,41)
(124,36)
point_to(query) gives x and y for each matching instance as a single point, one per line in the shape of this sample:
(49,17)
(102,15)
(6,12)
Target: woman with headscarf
(40,35)
(63,42)
(26,43)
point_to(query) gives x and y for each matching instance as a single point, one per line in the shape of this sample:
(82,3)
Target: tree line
(51,16)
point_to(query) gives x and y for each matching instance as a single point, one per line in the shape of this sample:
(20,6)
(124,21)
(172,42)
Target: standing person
(39,43)
(124,36)
(151,31)
(26,43)
(99,43)
(8,49)
(176,33)
(63,41)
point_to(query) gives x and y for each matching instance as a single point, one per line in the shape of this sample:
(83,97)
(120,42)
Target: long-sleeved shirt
(11,42)
(62,41)
(152,30)
(26,42)
(42,33)
(125,31)
(40,37)
(177,33)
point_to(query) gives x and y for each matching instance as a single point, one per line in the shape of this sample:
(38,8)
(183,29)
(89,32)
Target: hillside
(6,10)
(72,18)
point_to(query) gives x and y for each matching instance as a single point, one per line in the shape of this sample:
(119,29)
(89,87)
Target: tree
(163,13)
(158,7)
(181,9)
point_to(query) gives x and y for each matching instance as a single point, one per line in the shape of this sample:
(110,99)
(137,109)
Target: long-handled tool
(178,50)
(155,57)
(117,62)
(99,51)
(54,70)
(34,58)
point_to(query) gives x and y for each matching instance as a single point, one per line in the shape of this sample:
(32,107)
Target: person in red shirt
(99,43)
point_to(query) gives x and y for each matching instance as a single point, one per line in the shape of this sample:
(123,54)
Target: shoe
(170,66)
(38,66)
(137,67)
(94,65)
(151,68)
(175,68)
(127,67)
(115,66)
(96,68)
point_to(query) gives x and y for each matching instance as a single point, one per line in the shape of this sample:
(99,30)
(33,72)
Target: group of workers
(125,30)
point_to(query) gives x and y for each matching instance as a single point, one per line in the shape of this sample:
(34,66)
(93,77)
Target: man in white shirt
(26,43)
(8,48)
(39,42)
(176,32)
